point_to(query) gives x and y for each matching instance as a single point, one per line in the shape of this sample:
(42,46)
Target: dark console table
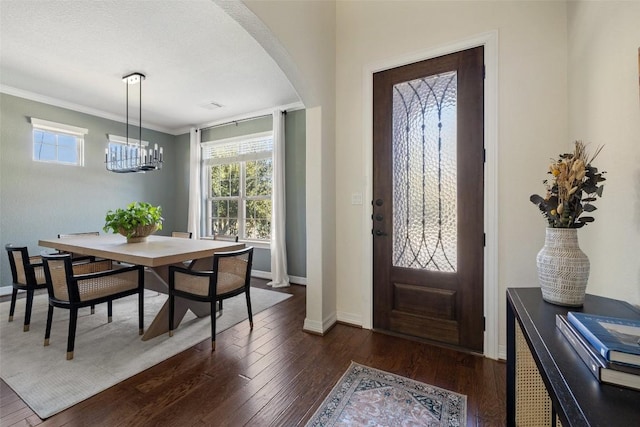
(547,382)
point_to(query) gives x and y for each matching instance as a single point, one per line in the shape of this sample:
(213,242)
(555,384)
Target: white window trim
(117,139)
(58,127)
(257,135)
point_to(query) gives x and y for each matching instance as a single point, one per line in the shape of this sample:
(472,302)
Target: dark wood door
(428,145)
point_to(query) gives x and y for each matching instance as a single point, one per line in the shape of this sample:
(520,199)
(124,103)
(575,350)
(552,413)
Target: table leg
(160,323)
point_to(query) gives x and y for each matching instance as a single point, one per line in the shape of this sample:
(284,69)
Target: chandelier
(133,156)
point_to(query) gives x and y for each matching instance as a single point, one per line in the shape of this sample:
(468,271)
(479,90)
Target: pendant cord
(127,114)
(140,118)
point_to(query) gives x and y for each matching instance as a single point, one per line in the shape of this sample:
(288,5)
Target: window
(238,177)
(58,142)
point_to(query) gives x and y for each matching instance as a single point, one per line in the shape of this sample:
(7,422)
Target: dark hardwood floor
(275,375)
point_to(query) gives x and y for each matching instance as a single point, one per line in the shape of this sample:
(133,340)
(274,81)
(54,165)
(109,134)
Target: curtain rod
(240,121)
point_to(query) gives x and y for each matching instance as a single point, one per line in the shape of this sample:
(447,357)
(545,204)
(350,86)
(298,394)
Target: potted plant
(136,222)
(563,269)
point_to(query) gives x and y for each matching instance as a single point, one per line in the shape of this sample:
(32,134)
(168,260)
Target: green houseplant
(136,222)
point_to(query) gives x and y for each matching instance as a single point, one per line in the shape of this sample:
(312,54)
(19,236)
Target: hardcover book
(603,371)
(616,339)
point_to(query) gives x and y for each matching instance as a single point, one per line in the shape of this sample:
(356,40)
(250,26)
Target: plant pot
(140,234)
(563,269)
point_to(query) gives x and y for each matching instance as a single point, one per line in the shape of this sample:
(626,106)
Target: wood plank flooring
(275,375)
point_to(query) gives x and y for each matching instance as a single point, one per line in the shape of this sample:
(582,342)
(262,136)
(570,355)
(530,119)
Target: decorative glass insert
(425,173)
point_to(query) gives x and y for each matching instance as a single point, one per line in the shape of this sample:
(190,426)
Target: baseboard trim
(6,290)
(297,280)
(349,318)
(502,352)
(318,328)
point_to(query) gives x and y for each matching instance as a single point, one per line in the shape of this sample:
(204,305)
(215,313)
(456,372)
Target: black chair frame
(30,286)
(212,296)
(182,234)
(74,303)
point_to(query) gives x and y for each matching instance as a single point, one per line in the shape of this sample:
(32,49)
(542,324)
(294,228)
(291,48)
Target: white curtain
(195,201)
(279,277)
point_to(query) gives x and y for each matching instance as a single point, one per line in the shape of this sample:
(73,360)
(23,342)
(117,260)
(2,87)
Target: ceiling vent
(211,105)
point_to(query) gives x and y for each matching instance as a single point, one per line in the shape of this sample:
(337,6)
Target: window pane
(225,180)
(258,224)
(224,226)
(67,155)
(44,152)
(44,146)
(259,175)
(44,137)
(224,216)
(67,141)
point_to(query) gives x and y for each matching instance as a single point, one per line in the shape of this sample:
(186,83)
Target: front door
(428,192)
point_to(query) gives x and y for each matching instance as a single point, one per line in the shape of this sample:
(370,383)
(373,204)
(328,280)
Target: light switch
(356,198)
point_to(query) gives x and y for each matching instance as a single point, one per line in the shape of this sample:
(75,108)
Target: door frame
(491,286)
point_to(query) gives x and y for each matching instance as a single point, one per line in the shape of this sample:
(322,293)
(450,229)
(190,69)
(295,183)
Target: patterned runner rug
(369,397)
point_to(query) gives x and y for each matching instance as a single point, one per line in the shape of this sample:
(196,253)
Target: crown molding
(288,107)
(9,90)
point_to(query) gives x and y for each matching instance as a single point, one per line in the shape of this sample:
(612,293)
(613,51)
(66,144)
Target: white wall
(604,108)
(532,123)
(306,30)
(546,98)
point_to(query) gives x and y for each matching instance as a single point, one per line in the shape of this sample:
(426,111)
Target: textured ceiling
(75,53)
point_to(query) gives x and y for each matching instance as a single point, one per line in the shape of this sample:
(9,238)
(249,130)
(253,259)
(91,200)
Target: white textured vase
(563,269)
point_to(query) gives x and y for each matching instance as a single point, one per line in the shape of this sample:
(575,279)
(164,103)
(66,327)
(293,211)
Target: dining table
(157,253)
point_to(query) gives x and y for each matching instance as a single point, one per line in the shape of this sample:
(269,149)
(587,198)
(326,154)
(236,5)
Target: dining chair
(72,286)
(227,237)
(181,234)
(28,275)
(230,276)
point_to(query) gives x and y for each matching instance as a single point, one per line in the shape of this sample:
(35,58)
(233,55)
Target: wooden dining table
(157,253)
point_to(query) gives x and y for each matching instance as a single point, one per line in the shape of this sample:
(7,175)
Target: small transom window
(58,142)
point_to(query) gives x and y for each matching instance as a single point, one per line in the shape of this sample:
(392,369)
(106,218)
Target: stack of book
(609,346)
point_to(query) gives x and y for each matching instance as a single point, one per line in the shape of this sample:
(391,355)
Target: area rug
(105,353)
(369,397)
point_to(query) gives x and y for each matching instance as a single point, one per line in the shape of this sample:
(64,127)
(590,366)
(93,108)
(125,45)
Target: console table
(547,382)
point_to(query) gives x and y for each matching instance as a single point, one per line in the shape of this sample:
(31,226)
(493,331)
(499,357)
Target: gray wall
(182,182)
(295,152)
(39,200)
(295,173)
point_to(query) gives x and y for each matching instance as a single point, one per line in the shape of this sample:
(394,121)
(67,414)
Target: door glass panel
(424,173)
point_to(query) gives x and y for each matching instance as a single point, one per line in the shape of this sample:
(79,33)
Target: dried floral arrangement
(573,187)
